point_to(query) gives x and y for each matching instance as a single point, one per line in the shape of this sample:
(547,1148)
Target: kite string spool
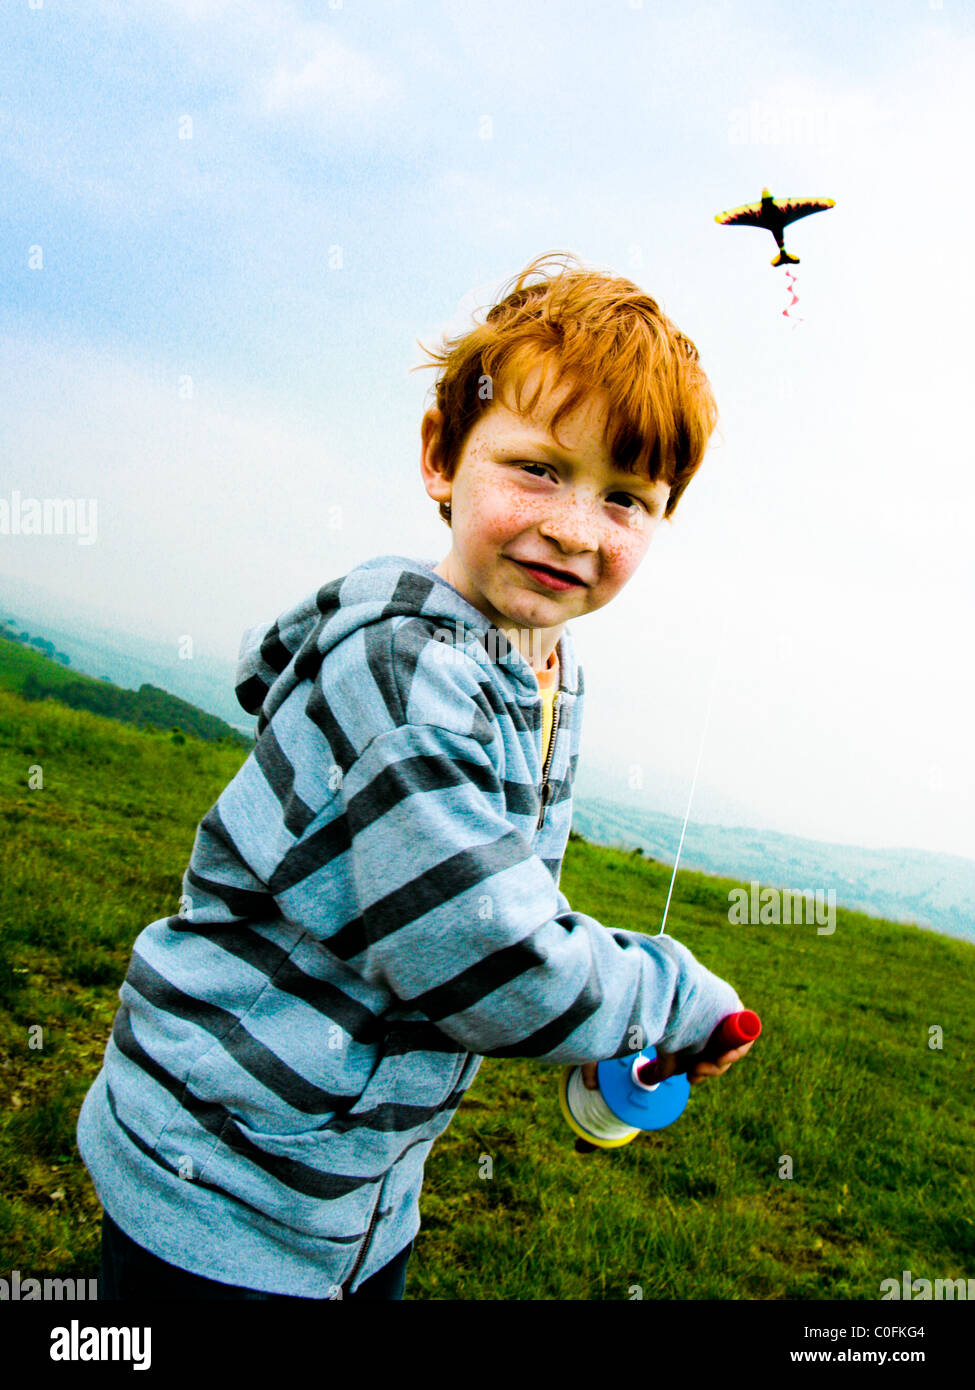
(591,1111)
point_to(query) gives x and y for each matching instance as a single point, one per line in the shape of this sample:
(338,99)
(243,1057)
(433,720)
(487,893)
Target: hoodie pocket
(319,1183)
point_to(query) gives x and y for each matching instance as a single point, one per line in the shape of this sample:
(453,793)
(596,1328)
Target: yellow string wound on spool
(588,1115)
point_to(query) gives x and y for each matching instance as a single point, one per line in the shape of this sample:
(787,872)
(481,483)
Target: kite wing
(794,208)
(748,216)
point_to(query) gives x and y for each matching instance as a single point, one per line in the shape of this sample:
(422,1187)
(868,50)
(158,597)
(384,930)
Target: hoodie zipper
(458,1073)
(365,1244)
(546,788)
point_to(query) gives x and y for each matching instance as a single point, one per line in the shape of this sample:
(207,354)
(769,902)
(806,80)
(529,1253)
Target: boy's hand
(702,1070)
(668,1061)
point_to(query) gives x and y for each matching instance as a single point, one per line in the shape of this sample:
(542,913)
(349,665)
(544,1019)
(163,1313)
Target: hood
(275,657)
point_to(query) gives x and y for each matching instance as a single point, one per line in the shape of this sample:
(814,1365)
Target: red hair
(601,333)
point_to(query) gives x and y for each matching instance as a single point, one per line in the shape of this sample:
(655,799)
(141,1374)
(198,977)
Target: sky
(227,226)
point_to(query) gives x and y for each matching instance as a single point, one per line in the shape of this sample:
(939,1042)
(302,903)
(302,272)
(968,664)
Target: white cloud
(331,79)
(294,67)
(268,52)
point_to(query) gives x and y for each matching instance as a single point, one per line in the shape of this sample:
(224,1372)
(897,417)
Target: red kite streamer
(791,289)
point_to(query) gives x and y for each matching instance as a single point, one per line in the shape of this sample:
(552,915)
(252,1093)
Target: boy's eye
(625,495)
(640,508)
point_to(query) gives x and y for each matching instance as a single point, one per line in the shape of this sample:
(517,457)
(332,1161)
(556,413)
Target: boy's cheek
(623,559)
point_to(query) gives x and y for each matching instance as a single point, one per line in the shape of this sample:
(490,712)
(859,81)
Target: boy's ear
(431,429)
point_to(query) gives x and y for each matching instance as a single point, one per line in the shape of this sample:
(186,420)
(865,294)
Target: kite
(774,214)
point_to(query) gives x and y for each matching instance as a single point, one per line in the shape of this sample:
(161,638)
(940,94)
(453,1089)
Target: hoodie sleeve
(457,917)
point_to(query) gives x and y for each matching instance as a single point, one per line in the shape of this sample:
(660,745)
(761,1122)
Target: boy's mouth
(549,572)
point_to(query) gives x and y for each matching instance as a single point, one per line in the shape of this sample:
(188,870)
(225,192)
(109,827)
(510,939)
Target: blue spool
(631,1103)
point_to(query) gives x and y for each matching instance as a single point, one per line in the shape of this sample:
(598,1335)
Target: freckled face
(518,494)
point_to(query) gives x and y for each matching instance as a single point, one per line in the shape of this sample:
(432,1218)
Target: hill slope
(904,885)
(836,1155)
(39,677)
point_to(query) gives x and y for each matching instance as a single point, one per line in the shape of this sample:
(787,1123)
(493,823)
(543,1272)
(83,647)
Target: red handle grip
(733,1031)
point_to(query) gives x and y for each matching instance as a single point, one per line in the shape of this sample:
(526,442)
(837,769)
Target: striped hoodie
(371,906)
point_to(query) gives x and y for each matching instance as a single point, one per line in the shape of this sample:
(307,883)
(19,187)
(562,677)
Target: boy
(373,901)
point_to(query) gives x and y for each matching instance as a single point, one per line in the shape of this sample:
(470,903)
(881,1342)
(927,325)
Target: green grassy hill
(39,677)
(877,1125)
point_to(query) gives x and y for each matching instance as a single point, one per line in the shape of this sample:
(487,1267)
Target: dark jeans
(129,1272)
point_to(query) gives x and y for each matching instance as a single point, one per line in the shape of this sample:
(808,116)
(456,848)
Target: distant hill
(26,667)
(11,630)
(128,659)
(901,885)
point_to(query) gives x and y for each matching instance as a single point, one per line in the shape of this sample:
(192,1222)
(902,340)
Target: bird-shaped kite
(774,214)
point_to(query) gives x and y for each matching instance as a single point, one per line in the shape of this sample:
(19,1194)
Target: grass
(842,1090)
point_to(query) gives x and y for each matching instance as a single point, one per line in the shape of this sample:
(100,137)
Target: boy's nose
(572,525)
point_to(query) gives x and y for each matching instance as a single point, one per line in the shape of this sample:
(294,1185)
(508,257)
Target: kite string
(700,752)
(790,289)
